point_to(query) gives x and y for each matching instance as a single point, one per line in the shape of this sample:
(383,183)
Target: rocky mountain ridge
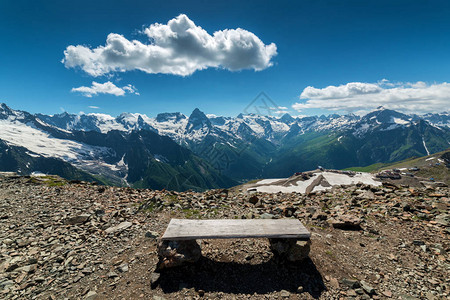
(178,126)
(235,149)
(141,158)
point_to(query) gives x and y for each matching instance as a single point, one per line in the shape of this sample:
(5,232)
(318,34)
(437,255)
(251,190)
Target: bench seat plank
(184,229)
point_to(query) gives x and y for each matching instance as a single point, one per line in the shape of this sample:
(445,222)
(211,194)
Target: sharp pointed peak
(3,106)
(197,113)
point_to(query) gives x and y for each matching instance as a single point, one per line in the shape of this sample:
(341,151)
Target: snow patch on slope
(300,186)
(26,135)
(400,121)
(425,146)
(107,123)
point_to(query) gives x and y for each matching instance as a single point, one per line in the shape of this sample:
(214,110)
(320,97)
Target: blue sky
(342,50)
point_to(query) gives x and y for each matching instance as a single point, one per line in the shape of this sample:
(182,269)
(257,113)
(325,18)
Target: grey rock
(80,219)
(12,267)
(32,261)
(151,235)
(27,268)
(39,279)
(267,216)
(123,268)
(112,274)
(347,223)
(368,195)
(8,241)
(408,297)
(154,277)
(6,284)
(91,295)
(443,219)
(99,212)
(366,287)
(359,291)
(352,283)
(118,228)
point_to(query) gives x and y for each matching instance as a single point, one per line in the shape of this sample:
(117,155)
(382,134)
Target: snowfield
(285,186)
(38,142)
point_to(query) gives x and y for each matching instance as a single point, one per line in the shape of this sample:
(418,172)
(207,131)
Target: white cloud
(93,107)
(281,112)
(130,89)
(359,97)
(278,108)
(105,88)
(179,47)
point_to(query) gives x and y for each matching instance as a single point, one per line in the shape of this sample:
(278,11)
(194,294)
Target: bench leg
(177,253)
(291,249)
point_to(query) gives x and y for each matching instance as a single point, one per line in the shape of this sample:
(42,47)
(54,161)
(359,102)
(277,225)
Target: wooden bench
(288,237)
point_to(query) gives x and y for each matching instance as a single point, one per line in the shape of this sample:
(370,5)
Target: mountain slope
(20,160)
(378,138)
(139,158)
(242,148)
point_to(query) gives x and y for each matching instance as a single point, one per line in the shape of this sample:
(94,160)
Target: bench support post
(290,249)
(177,253)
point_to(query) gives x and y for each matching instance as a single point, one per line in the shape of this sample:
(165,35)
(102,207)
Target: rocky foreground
(74,240)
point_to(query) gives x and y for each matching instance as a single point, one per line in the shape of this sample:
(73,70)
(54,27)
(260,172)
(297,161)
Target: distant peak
(5,109)
(4,106)
(164,117)
(287,118)
(381,108)
(198,114)
(125,114)
(197,120)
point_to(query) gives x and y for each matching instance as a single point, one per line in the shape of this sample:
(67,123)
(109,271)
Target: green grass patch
(370,168)
(191,213)
(49,180)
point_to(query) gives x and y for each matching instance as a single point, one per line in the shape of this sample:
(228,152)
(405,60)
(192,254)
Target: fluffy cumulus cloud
(105,88)
(360,97)
(179,47)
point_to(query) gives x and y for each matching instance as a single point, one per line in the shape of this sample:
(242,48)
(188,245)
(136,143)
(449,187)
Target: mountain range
(201,151)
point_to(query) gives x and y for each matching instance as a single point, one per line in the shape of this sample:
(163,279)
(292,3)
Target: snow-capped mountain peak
(170,117)
(198,125)
(198,121)
(246,145)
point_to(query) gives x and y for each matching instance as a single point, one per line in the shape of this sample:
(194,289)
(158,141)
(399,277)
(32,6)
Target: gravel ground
(75,240)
